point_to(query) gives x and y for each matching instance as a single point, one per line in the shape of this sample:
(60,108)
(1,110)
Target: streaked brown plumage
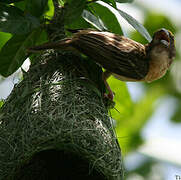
(122,57)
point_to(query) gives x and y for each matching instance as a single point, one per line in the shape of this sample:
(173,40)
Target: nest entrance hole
(57,165)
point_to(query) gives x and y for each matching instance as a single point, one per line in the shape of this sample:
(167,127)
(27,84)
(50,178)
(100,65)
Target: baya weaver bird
(120,56)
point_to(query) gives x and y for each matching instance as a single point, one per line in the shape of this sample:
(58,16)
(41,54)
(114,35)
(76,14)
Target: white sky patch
(26,65)
(136,90)
(7,85)
(163,149)
(160,124)
(170,8)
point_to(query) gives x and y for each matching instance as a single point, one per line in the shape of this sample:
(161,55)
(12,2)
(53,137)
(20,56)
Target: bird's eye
(163,35)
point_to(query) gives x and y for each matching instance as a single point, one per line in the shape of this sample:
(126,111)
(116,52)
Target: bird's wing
(115,53)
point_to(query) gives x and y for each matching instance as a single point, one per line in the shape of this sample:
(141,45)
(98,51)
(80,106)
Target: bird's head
(163,40)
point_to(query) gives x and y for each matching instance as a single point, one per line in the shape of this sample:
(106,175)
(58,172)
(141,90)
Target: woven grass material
(57,106)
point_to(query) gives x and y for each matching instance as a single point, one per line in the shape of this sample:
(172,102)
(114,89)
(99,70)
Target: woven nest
(54,125)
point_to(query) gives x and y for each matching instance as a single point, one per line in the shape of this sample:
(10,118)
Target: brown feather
(126,59)
(118,54)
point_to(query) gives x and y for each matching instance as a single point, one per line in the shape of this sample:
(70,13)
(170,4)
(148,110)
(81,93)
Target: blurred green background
(147,116)
(149,126)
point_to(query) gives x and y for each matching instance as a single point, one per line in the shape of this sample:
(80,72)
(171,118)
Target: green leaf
(4,37)
(10,1)
(20,5)
(42,38)
(14,21)
(79,23)
(50,11)
(106,13)
(93,20)
(1,103)
(13,53)
(124,1)
(36,7)
(110,2)
(61,2)
(73,10)
(138,26)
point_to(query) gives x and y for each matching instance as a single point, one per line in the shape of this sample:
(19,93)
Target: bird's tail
(62,45)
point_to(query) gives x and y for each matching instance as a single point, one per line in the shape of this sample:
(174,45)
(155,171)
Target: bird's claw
(109,96)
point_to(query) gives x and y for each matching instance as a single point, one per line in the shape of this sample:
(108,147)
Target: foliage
(13,53)
(25,19)
(15,21)
(1,103)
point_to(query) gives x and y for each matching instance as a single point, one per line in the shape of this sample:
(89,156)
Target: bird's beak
(165,43)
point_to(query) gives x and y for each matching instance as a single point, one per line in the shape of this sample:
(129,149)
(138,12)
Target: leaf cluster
(22,23)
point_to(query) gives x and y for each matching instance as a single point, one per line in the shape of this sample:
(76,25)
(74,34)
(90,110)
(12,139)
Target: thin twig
(56,6)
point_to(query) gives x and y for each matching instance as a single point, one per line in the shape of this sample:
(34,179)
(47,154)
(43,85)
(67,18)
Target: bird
(120,56)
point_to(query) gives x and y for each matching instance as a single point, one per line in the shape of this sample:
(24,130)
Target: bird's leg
(105,76)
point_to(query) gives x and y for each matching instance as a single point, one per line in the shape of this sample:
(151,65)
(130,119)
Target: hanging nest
(54,125)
